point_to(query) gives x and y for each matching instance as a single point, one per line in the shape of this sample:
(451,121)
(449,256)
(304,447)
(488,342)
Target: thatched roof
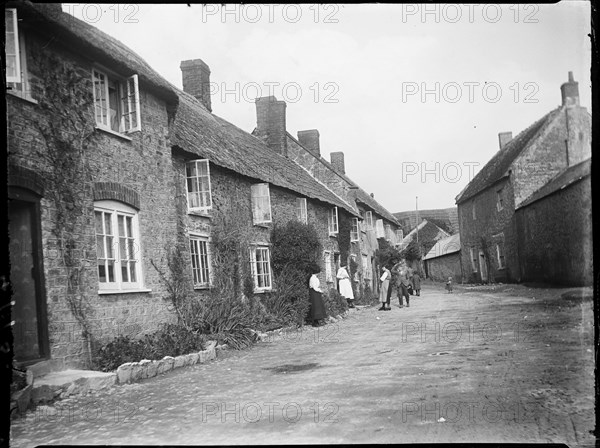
(200,132)
(92,43)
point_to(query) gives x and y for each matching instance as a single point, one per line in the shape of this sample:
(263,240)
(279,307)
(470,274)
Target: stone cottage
(554,230)
(443,260)
(110,167)
(523,165)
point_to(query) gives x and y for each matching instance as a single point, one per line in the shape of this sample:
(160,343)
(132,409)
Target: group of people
(402,277)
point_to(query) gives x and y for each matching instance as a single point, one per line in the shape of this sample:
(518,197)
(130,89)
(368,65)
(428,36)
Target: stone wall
(555,237)
(440,268)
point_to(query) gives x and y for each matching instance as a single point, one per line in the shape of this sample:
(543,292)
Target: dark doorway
(30,330)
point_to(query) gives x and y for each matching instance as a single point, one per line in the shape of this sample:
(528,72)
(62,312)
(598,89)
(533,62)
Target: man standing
(402,282)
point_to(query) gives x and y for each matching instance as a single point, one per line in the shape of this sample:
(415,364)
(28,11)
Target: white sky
(343,70)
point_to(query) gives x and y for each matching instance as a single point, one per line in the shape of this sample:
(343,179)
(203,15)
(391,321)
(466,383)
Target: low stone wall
(136,371)
(271,335)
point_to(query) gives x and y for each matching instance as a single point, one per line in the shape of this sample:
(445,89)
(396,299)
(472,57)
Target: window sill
(123,291)
(265,225)
(333,235)
(200,213)
(262,291)
(202,288)
(117,134)
(22,96)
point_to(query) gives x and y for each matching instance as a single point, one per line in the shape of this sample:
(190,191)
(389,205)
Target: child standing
(449,285)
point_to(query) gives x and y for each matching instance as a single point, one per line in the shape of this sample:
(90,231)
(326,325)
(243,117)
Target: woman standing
(383,291)
(416,281)
(345,285)
(317,306)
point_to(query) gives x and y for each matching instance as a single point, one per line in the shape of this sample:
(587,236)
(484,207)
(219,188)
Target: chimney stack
(196,80)
(270,123)
(570,92)
(310,140)
(337,160)
(504,138)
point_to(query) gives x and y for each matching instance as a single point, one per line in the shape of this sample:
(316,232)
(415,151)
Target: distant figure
(403,283)
(345,285)
(416,281)
(449,285)
(384,297)
(317,306)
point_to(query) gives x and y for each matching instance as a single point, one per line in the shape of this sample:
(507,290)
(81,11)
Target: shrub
(295,245)
(335,303)
(169,340)
(289,302)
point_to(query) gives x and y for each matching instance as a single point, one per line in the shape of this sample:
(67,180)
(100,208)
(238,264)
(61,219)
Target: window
(379,230)
(473,259)
(197,173)
(388,232)
(16,60)
(261,204)
(366,267)
(333,221)
(199,253)
(117,246)
(369,220)
(116,102)
(473,214)
(354,231)
(399,235)
(499,200)
(301,210)
(500,255)
(260,263)
(328,272)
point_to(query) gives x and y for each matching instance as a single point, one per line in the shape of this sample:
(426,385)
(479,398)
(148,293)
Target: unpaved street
(480,365)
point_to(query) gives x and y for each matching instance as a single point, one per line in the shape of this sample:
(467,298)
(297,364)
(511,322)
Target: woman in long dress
(345,286)
(383,290)
(317,306)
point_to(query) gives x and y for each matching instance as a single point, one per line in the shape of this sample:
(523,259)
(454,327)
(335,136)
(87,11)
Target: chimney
(337,160)
(504,138)
(570,92)
(196,80)
(270,123)
(373,195)
(310,140)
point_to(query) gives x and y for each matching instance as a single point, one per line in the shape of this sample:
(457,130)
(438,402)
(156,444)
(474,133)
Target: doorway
(30,330)
(483,267)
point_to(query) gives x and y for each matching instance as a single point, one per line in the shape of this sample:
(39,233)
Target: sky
(413,94)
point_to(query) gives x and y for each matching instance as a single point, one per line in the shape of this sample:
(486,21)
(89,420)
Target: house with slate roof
(154,169)
(523,165)
(443,260)
(376,223)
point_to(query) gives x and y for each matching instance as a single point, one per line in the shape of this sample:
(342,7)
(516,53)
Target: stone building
(554,230)
(305,151)
(443,260)
(110,167)
(448,217)
(523,165)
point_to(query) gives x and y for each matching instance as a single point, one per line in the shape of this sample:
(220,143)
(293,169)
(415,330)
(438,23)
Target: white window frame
(19,85)
(366,267)
(328,271)
(114,210)
(499,200)
(257,272)
(388,232)
(474,260)
(200,262)
(17,52)
(399,235)
(260,200)
(355,231)
(501,264)
(379,229)
(128,103)
(369,220)
(301,210)
(196,180)
(332,221)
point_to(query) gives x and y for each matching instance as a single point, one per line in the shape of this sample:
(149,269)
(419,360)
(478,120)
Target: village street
(512,364)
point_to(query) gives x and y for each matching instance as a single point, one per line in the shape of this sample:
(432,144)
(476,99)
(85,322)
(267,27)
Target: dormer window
(116,102)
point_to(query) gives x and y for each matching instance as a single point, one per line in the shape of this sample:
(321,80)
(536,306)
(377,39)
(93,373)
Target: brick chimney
(196,80)
(570,92)
(310,140)
(337,160)
(504,138)
(270,123)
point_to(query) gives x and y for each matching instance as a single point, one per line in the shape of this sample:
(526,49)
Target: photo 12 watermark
(290,92)
(115,411)
(470,13)
(95,12)
(253,412)
(469,92)
(436,172)
(454,332)
(271,13)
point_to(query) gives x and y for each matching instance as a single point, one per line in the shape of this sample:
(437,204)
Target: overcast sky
(414,95)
